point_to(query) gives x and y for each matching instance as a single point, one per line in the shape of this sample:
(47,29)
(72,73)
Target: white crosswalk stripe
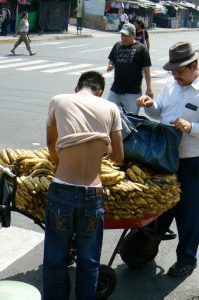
(108,74)
(10,60)
(93,50)
(45,66)
(85,70)
(23,63)
(155,73)
(73,46)
(47,43)
(159,76)
(67,68)
(16,242)
(161,81)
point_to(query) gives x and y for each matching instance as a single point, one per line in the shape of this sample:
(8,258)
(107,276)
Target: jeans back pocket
(91,220)
(60,217)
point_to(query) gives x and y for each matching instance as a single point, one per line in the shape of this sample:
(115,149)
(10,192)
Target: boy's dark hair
(140,23)
(91,79)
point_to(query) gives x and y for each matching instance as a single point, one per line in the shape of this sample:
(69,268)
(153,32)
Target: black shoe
(32,54)
(179,269)
(13,52)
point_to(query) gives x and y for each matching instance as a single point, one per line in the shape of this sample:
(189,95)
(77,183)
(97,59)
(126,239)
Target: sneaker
(13,52)
(32,54)
(179,269)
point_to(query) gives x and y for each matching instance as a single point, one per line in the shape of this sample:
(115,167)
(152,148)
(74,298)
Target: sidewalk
(85,32)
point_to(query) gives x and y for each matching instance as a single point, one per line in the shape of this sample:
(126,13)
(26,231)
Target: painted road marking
(93,50)
(45,66)
(11,60)
(24,63)
(74,46)
(16,242)
(85,70)
(67,68)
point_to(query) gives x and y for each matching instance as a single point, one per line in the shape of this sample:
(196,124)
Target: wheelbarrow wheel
(137,249)
(107,282)
(5,218)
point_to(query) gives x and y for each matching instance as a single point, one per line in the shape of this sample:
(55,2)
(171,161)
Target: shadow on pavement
(147,283)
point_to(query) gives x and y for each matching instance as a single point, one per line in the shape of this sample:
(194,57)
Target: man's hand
(182,125)
(110,67)
(149,93)
(144,101)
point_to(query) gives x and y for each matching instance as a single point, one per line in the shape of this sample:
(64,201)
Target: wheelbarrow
(137,245)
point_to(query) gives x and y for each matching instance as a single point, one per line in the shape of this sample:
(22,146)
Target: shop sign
(3,1)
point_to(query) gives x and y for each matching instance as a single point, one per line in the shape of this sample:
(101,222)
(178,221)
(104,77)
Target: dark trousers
(186,212)
(4,28)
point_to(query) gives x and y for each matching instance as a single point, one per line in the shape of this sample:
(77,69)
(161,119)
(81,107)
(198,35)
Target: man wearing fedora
(130,60)
(178,105)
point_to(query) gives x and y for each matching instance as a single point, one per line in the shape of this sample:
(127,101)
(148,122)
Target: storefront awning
(21,1)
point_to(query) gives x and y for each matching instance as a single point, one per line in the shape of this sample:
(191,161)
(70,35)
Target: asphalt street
(27,84)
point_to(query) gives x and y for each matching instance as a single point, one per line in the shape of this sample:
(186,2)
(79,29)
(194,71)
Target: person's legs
(115,98)
(27,42)
(89,243)
(164,221)
(58,231)
(129,103)
(187,213)
(18,42)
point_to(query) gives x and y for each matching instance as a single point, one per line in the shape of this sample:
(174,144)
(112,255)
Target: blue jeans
(78,210)
(125,101)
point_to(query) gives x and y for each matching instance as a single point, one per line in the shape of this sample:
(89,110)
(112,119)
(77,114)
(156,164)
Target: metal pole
(17,13)
(79,15)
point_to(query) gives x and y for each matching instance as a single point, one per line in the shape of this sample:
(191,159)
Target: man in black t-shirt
(130,59)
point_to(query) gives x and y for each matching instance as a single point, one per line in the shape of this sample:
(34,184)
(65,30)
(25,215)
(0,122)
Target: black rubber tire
(5,218)
(137,249)
(107,282)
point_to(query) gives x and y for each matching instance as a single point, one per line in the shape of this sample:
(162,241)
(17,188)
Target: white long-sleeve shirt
(170,104)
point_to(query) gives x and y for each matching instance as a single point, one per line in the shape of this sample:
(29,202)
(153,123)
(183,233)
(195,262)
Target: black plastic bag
(151,143)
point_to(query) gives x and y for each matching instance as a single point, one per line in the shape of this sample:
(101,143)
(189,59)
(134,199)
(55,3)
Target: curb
(46,38)
(9,40)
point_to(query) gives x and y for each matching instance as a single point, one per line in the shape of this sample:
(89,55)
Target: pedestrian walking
(178,105)
(5,21)
(129,59)
(142,35)
(81,129)
(23,34)
(123,19)
(189,20)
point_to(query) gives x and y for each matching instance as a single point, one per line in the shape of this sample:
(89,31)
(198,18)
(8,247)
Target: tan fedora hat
(180,54)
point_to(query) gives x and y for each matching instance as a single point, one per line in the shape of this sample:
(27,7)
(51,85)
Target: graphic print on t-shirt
(125,55)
